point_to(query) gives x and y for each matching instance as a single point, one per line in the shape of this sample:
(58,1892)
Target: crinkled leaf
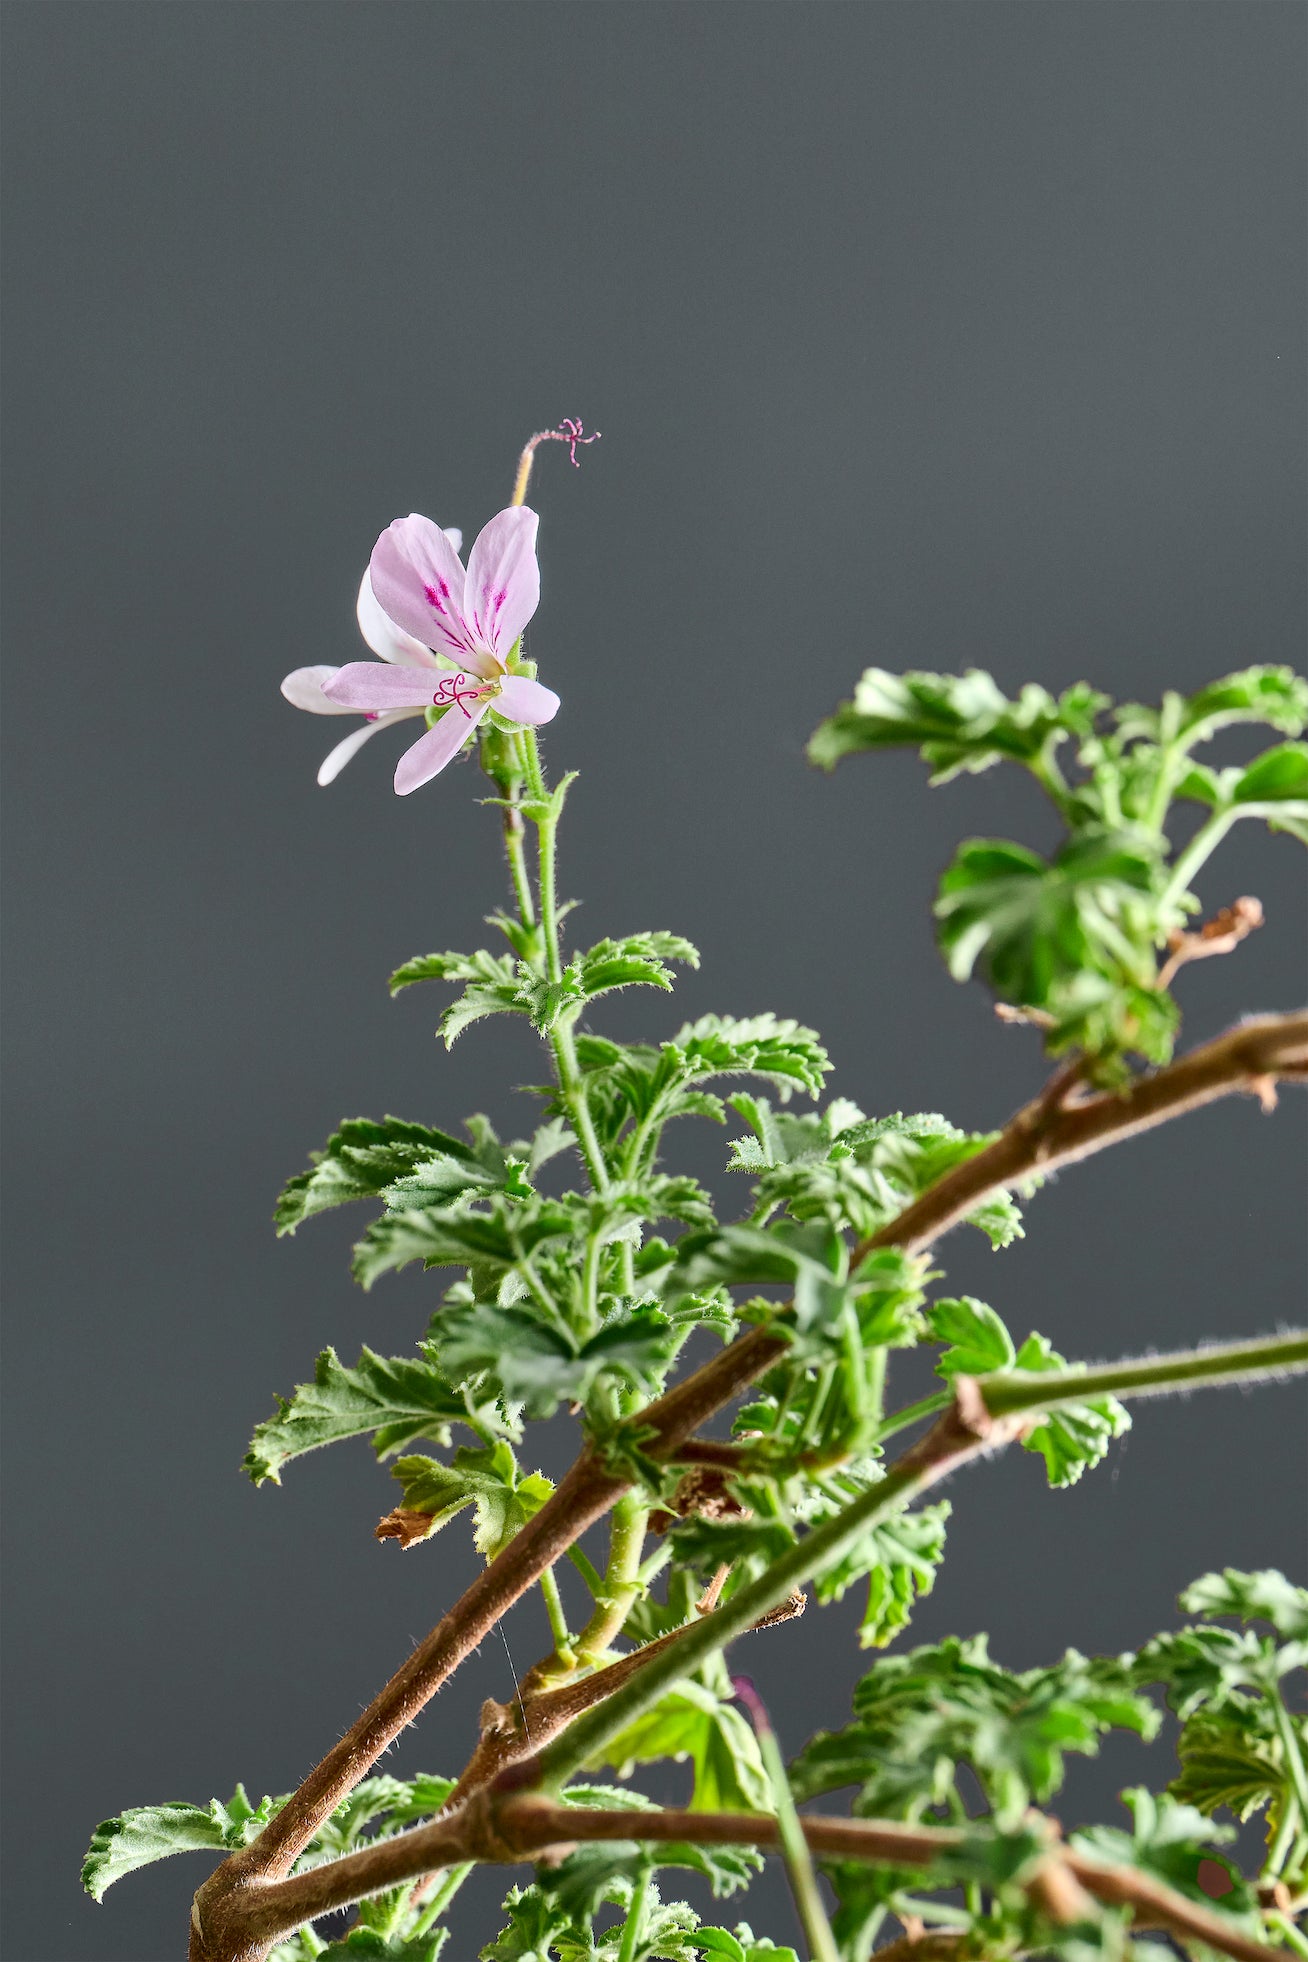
(370,1945)
(1034,925)
(1262,1596)
(1076,1437)
(770,1046)
(1209,1665)
(691,1722)
(145,1833)
(541,1366)
(918,1715)
(900,1557)
(489,1480)
(959,722)
(1232,1756)
(499,1237)
(1275,695)
(980,1344)
(397,1398)
(365,1156)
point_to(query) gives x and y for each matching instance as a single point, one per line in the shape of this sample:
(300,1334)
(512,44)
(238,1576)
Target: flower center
(455,691)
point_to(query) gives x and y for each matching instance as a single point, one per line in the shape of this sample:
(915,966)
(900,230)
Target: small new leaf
(489,1480)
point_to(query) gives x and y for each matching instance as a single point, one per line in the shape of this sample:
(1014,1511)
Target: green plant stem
(1290,1933)
(1235,1362)
(1196,854)
(1282,1841)
(794,1847)
(621,1581)
(635,1922)
(441,1899)
(1294,1764)
(563,1648)
(913,1413)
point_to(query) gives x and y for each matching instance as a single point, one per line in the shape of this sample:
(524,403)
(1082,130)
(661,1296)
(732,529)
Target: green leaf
(959,722)
(919,1716)
(900,1557)
(858,1173)
(1035,926)
(540,1367)
(1275,695)
(691,1722)
(500,1237)
(397,1398)
(981,1345)
(368,1945)
(1232,1756)
(1172,1842)
(364,1158)
(1078,1436)
(489,1480)
(145,1833)
(639,960)
(1278,774)
(1211,1665)
(782,1051)
(1263,1596)
(810,1260)
(742,1946)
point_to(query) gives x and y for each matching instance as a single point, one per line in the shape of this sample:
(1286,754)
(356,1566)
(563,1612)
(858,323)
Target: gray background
(924,334)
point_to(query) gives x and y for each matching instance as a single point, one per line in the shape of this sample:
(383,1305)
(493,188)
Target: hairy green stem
(621,1581)
(1294,1764)
(634,1927)
(441,1899)
(1234,1362)
(563,1648)
(794,1847)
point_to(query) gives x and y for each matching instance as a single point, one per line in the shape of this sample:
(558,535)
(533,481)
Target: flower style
(447,636)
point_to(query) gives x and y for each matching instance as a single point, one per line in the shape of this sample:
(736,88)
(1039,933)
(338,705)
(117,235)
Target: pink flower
(447,637)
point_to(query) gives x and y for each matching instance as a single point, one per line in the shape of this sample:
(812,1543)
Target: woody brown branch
(1038,1138)
(524,1825)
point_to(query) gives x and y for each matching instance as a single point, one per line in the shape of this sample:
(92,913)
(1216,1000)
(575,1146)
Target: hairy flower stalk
(586,1294)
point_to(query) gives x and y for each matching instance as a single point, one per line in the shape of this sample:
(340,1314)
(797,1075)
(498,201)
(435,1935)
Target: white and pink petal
(336,759)
(503,588)
(418,582)
(303,689)
(370,687)
(387,641)
(524,700)
(429,755)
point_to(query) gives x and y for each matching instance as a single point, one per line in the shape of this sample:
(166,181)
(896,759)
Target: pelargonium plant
(784,1469)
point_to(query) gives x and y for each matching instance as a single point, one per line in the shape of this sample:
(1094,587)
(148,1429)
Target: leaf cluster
(1073,940)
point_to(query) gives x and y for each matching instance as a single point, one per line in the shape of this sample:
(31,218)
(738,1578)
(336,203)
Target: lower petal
(432,752)
(336,759)
(303,689)
(524,700)
(372,687)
